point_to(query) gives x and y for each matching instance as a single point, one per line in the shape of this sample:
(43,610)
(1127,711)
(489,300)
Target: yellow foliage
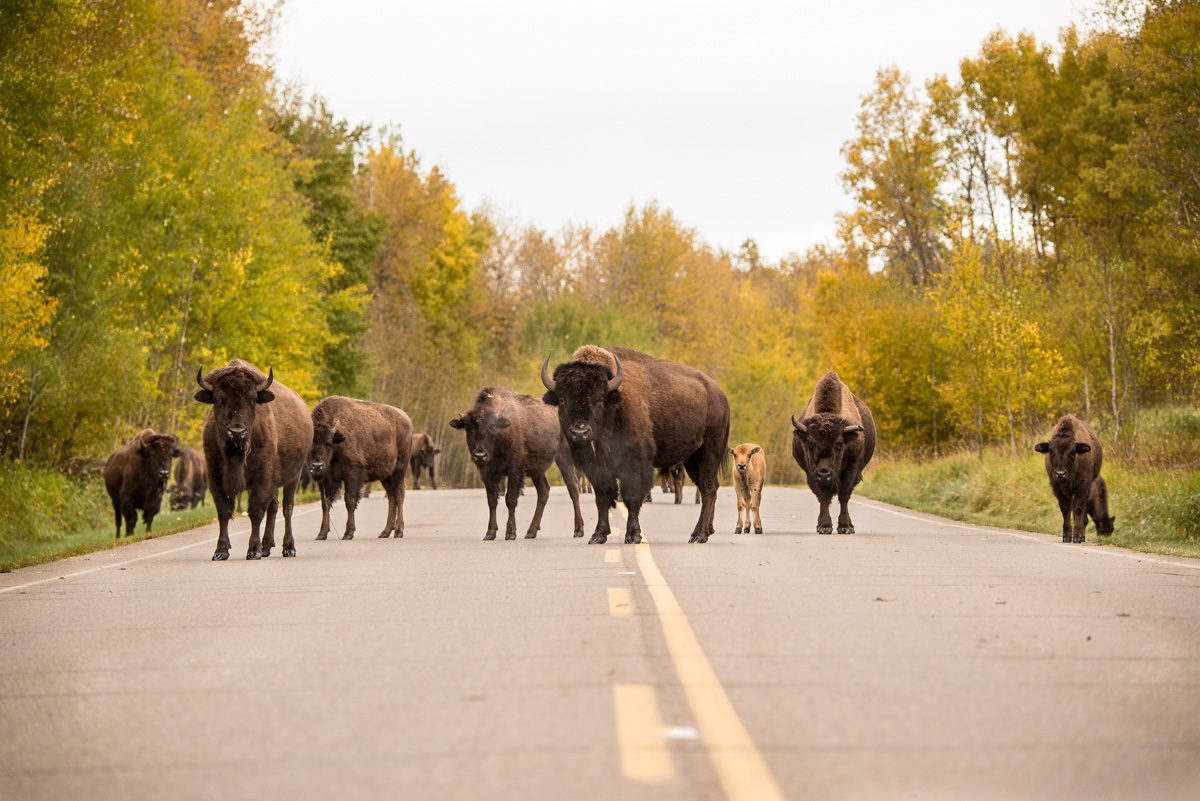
(24,309)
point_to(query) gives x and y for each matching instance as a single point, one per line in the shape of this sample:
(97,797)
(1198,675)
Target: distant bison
(832,443)
(626,414)
(422,458)
(135,477)
(355,442)
(749,475)
(191,481)
(1073,460)
(511,436)
(256,437)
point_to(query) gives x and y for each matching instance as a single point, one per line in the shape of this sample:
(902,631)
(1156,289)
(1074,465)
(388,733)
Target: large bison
(256,437)
(1074,457)
(191,481)
(355,442)
(625,414)
(135,477)
(423,451)
(832,442)
(511,436)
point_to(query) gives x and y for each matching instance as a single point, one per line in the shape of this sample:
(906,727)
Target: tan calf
(749,475)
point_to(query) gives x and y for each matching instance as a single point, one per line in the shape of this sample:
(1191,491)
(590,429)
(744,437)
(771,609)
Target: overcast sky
(730,114)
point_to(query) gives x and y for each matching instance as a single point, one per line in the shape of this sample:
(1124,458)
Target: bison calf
(423,451)
(1073,460)
(511,436)
(355,442)
(135,477)
(749,475)
(832,443)
(191,481)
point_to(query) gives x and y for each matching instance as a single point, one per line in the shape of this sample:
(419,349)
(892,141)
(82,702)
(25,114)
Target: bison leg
(326,503)
(543,494)
(432,477)
(1079,509)
(845,525)
(677,477)
(416,471)
(129,511)
(741,504)
(493,497)
(289,501)
(824,520)
(117,514)
(605,490)
(703,467)
(571,479)
(353,491)
(755,503)
(1064,506)
(512,494)
(268,541)
(256,508)
(394,487)
(224,506)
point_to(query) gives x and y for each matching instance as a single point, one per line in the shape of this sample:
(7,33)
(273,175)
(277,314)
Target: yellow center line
(612,555)
(743,772)
(644,754)
(619,603)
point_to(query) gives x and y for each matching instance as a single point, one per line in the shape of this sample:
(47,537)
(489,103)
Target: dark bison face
(824,438)
(1060,454)
(180,497)
(157,452)
(320,456)
(741,457)
(235,397)
(485,433)
(583,393)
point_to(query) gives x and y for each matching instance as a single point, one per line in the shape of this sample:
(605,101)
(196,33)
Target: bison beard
(626,414)
(256,436)
(832,444)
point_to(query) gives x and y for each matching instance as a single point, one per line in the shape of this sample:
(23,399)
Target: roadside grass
(1154,494)
(45,516)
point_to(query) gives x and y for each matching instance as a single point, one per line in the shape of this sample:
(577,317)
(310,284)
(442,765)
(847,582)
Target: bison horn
(200,379)
(337,422)
(615,381)
(798,425)
(267,383)
(851,429)
(547,381)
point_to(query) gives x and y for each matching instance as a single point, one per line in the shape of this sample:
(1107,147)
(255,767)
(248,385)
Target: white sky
(730,114)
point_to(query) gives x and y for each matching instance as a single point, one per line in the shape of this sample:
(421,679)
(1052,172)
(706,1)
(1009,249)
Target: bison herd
(610,418)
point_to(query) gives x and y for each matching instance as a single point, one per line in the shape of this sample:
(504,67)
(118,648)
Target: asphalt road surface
(916,659)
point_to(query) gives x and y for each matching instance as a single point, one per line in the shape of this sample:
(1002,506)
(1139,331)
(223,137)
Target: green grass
(1154,493)
(45,515)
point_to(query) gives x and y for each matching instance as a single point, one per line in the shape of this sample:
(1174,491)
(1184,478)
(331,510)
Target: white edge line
(1074,548)
(137,558)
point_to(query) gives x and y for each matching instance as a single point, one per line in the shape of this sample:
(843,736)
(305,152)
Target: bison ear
(265,396)
(205,396)
(1042,447)
(338,436)
(613,398)
(756,450)
(731,453)
(456,422)
(550,399)
(1082,447)
(503,422)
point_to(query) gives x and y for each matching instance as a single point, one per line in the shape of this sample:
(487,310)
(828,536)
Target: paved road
(916,659)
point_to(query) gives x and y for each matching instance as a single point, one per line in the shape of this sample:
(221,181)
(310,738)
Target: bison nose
(742,467)
(1060,473)
(164,474)
(480,456)
(316,467)
(237,431)
(579,432)
(824,473)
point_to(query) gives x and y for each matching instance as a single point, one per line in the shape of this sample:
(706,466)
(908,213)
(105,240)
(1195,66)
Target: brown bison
(671,480)
(423,451)
(626,414)
(191,481)
(1073,460)
(832,442)
(749,476)
(135,477)
(355,442)
(256,437)
(511,436)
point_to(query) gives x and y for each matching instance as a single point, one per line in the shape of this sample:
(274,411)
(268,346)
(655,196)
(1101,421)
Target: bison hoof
(349,535)
(633,539)
(1066,537)
(737,530)
(512,536)
(578,533)
(824,529)
(397,533)
(220,556)
(266,552)
(491,535)
(531,535)
(1078,539)
(598,539)
(698,538)
(324,536)
(255,555)
(758,530)
(384,535)
(845,529)
(289,552)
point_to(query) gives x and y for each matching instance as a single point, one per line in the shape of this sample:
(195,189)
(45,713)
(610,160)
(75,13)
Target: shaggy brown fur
(256,437)
(749,476)
(191,481)
(511,436)
(355,442)
(422,458)
(1074,457)
(832,443)
(660,415)
(136,474)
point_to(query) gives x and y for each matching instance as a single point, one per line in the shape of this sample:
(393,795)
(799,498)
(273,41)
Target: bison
(135,477)
(832,442)
(423,451)
(1073,460)
(355,442)
(191,481)
(749,475)
(626,414)
(256,437)
(511,436)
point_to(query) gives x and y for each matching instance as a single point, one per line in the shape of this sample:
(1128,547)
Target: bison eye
(838,445)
